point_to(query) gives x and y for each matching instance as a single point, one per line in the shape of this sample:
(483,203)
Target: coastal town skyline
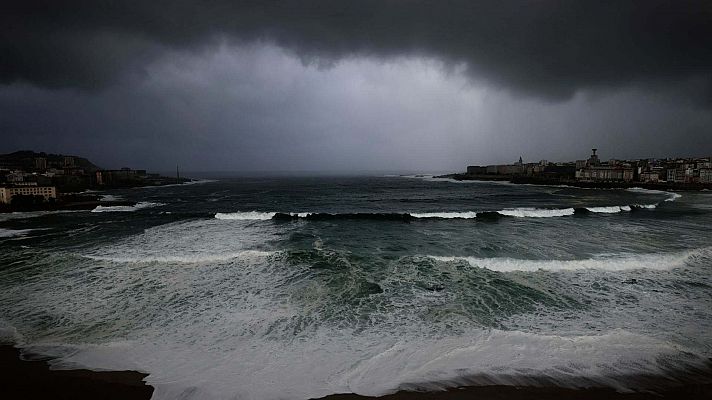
(510,160)
(31,180)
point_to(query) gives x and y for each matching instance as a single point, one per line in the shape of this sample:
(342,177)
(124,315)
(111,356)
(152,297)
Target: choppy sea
(267,288)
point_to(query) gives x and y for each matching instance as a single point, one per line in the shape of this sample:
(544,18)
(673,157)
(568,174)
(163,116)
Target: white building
(7,193)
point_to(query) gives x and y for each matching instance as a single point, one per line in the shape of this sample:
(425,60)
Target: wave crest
(525,212)
(135,207)
(537,212)
(620,262)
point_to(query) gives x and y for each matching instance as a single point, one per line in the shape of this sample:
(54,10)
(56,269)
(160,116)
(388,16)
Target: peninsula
(31,181)
(651,173)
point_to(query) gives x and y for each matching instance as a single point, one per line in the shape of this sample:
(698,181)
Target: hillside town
(677,173)
(30,180)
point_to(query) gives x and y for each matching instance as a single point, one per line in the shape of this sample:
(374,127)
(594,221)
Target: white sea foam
(110,197)
(607,263)
(453,214)
(255,329)
(197,258)
(136,207)
(373,362)
(246,215)
(537,212)
(7,233)
(671,196)
(432,178)
(609,210)
(255,215)
(646,206)
(191,242)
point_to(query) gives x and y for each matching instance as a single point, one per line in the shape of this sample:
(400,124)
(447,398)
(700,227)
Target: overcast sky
(354,85)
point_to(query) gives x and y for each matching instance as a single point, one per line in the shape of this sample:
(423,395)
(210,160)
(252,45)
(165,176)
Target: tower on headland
(593,160)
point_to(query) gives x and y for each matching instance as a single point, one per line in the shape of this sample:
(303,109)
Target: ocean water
(293,288)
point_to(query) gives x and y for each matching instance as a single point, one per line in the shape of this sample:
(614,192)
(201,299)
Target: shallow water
(302,287)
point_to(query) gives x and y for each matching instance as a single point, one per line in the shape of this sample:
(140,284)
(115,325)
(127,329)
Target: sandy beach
(34,380)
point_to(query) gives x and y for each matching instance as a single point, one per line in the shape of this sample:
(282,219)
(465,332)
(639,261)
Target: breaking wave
(111,197)
(8,233)
(446,215)
(537,212)
(619,262)
(525,212)
(671,196)
(135,207)
(608,210)
(184,258)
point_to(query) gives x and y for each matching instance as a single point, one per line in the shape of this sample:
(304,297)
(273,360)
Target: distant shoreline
(86,200)
(529,180)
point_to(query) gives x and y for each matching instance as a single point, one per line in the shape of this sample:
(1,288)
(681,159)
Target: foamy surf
(671,196)
(110,197)
(620,262)
(524,212)
(375,363)
(537,212)
(183,258)
(446,215)
(608,210)
(8,233)
(253,215)
(136,207)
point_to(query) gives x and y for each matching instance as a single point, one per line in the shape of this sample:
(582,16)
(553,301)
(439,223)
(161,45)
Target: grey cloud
(257,108)
(549,49)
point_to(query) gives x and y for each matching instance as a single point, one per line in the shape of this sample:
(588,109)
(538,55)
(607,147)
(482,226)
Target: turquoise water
(303,287)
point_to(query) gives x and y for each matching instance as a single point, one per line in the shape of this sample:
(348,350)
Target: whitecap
(618,262)
(183,258)
(536,212)
(110,197)
(255,215)
(609,209)
(137,206)
(671,196)
(452,214)
(7,233)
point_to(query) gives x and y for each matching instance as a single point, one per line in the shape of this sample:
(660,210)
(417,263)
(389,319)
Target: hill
(25,160)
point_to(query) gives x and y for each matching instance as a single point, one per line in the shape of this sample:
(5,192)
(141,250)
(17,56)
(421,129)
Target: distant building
(119,176)
(7,193)
(68,162)
(476,170)
(705,175)
(40,163)
(675,175)
(649,177)
(15,176)
(595,171)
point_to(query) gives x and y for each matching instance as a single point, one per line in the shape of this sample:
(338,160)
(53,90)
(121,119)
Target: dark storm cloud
(548,49)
